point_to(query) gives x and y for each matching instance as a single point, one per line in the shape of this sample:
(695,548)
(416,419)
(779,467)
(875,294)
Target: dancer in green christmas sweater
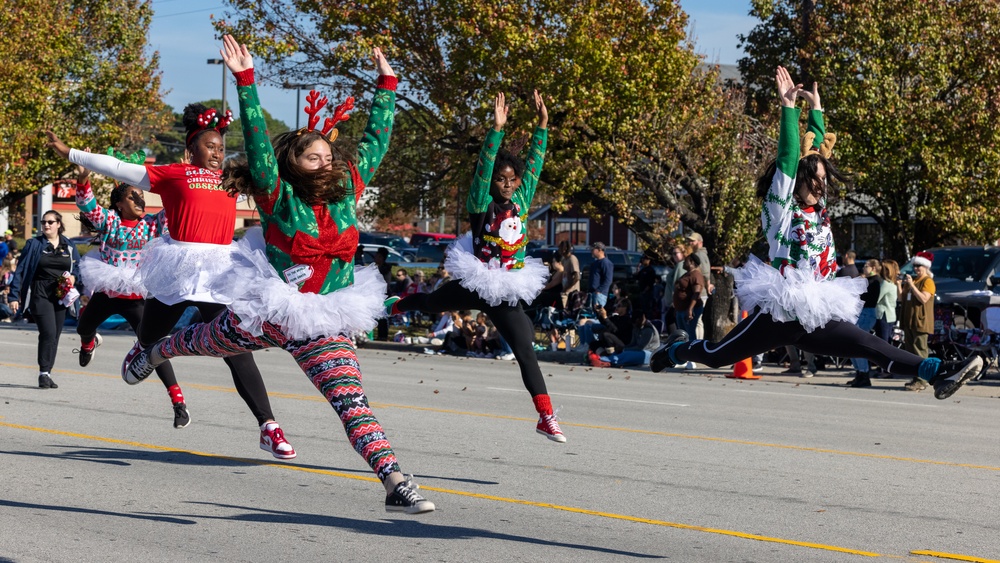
(301,291)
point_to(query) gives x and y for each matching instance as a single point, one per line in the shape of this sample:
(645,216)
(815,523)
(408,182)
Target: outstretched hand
(787,89)
(500,111)
(56,144)
(236,56)
(383,65)
(543,113)
(811,96)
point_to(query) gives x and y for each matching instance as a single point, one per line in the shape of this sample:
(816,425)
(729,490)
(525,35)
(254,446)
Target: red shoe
(596,360)
(548,426)
(272,439)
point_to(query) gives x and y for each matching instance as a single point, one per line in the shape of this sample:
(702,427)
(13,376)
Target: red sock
(88,346)
(542,404)
(175,394)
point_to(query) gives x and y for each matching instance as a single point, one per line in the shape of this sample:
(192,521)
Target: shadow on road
(77,510)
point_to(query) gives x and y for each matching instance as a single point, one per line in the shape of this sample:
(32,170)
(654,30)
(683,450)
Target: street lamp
(298,98)
(223,63)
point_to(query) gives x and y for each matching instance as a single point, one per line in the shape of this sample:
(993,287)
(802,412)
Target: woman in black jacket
(49,264)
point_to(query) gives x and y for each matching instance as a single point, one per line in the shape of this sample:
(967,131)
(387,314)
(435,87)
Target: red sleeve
(163,175)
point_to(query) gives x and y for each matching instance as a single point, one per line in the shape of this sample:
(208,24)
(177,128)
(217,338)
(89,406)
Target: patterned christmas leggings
(330,363)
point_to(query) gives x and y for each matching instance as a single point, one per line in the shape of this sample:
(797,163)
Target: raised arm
(87,203)
(260,153)
(536,153)
(132,174)
(375,140)
(814,122)
(479,193)
(778,202)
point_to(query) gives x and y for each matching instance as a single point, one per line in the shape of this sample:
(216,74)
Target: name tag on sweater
(298,274)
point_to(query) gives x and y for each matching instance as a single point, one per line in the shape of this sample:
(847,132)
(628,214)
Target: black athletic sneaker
(137,364)
(404,498)
(45,382)
(860,380)
(87,355)
(661,358)
(954,375)
(181,415)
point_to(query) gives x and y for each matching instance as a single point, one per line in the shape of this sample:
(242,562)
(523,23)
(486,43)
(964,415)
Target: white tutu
(174,271)
(798,295)
(494,284)
(262,296)
(98,275)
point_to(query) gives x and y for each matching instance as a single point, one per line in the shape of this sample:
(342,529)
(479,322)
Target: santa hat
(923,259)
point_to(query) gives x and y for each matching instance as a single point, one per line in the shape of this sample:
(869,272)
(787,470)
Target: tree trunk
(721,314)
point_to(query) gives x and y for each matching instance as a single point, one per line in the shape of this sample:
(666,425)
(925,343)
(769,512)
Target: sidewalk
(987,387)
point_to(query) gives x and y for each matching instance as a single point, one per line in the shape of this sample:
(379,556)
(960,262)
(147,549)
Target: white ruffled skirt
(174,271)
(261,296)
(798,295)
(494,285)
(98,275)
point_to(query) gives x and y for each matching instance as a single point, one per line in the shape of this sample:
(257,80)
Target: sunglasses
(50,222)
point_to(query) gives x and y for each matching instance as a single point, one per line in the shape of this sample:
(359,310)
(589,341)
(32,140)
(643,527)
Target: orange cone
(744,368)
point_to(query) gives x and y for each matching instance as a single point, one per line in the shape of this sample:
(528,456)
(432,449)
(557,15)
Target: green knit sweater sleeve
(479,193)
(260,153)
(375,140)
(533,166)
(815,125)
(778,207)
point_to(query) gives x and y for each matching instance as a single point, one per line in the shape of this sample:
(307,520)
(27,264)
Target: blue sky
(182,33)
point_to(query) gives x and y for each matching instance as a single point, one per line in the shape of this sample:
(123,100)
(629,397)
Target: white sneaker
(690,365)
(506,357)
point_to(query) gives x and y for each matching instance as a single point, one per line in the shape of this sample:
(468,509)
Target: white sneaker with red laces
(272,439)
(548,426)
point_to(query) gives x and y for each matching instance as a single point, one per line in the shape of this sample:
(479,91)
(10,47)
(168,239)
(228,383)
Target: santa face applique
(504,236)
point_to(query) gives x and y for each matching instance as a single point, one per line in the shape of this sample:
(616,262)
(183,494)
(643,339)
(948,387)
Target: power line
(188,12)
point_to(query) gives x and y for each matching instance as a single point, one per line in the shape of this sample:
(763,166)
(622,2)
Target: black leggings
(759,333)
(100,307)
(513,325)
(49,318)
(159,318)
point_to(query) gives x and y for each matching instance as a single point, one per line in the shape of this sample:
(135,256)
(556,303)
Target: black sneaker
(954,375)
(860,380)
(45,382)
(137,365)
(181,415)
(87,355)
(404,498)
(661,358)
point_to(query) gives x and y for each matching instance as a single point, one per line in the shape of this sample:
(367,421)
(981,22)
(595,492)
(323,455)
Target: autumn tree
(639,128)
(910,89)
(81,68)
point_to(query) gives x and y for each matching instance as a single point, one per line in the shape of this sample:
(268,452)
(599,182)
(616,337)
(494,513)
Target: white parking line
(801,395)
(604,398)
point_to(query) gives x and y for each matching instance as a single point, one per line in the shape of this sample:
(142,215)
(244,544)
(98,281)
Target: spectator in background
(677,254)
(8,238)
(4,250)
(442,276)
(646,279)
(687,295)
(888,297)
(402,282)
(866,321)
(645,340)
(611,333)
(359,256)
(571,270)
(698,249)
(601,274)
(417,284)
(849,269)
(551,294)
(381,255)
(918,311)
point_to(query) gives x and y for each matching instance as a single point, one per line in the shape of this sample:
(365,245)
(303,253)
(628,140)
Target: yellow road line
(954,556)
(377,405)
(545,505)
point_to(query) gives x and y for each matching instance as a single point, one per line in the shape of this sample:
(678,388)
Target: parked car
(431,251)
(416,239)
(965,275)
(394,242)
(394,257)
(625,262)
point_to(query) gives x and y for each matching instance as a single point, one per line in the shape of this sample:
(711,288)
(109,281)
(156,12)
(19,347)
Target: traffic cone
(744,368)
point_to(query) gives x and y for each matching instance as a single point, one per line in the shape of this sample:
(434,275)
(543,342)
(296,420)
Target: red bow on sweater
(320,252)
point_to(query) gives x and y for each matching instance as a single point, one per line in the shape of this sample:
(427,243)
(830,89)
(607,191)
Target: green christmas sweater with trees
(795,233)
(312,245)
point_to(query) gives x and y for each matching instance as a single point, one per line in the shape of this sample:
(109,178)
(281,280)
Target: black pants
(511,322)
(49,317)
(759,333)
(100,307)
(157,320)
(607,339)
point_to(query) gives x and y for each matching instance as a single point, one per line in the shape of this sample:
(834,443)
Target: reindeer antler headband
(315,102)
(825,148)
(209,119)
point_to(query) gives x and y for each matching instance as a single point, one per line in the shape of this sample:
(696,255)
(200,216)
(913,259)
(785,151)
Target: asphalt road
(676,467)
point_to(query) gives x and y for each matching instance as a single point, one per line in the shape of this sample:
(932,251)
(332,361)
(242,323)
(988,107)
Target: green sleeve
(375,140)
(533,166)
(479,193)
(815,125)
(788,141)
(260,153)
